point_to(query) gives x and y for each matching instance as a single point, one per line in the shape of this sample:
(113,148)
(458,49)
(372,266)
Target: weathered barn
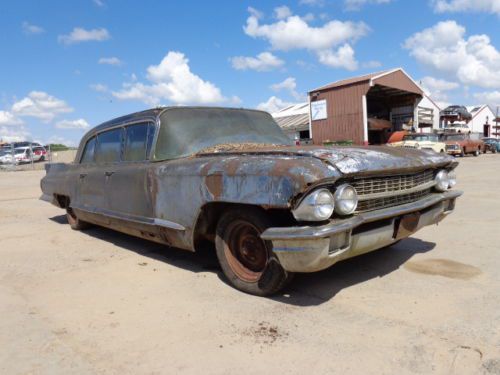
(366,109)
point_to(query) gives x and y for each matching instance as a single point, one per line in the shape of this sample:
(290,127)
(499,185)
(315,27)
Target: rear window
(108,148)
(88,152)
(138,140)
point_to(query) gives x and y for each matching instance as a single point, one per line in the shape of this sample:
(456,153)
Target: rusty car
(462,144)
(182,176)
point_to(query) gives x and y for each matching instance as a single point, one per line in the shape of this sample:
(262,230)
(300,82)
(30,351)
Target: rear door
(128,187)
(90,183)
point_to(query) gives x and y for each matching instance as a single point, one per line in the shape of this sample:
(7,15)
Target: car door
(128,187)
(89,195)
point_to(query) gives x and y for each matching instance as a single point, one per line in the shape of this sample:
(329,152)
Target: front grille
(380,192)
(452,147)
(377,204)
(388,184)
(409,146)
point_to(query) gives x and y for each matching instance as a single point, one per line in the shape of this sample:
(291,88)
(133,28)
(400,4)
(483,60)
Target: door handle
(108,173)
(83,175)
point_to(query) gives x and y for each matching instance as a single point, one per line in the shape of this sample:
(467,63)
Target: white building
(483,119)
(427,115)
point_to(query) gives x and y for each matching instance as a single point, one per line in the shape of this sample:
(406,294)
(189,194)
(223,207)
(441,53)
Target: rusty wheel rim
(246,252)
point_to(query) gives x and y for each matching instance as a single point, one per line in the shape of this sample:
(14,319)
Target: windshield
(421,137)
(18,151)
(454,137)
(186,131)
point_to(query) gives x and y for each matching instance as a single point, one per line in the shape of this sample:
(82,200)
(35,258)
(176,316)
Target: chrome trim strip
(133,218)
(308,232)
(395,193)
(168,224)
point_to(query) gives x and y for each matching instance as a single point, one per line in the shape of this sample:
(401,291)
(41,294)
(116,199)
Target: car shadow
(316,288)
(200,261)
(305,290)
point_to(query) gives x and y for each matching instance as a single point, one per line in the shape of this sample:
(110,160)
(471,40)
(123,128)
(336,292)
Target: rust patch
(443,267)
(214,184)
(229,147)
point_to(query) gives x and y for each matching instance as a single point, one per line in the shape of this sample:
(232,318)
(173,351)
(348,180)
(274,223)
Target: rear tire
(476,153)
(74,222)
(247,261)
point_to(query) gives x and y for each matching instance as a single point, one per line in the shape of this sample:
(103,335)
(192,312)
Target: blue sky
(66,66)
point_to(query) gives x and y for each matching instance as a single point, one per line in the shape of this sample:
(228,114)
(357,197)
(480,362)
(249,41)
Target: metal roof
(294,117)
(293,122)
(371,78)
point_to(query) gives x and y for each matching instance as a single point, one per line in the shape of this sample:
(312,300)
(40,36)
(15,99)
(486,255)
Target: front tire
(74,222)
(477,152)
(248,261)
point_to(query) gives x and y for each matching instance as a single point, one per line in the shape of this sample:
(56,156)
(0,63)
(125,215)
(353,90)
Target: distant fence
(33,162)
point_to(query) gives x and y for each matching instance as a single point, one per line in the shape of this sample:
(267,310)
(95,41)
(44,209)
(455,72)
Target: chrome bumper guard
(313,248)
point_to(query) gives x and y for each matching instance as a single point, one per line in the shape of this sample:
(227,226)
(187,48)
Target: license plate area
(406,225)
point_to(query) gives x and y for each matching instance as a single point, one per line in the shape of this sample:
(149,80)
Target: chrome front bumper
(314,248)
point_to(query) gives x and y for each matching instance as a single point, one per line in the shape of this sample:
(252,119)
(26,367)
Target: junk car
(182,176)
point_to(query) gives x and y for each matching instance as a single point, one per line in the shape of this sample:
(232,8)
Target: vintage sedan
(422,141)
(181,176)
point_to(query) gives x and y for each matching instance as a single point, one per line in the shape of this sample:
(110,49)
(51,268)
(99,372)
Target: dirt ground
(100,302)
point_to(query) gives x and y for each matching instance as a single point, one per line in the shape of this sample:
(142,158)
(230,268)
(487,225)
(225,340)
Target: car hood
(360,160)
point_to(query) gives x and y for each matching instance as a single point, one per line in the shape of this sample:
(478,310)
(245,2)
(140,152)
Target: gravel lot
(100,302)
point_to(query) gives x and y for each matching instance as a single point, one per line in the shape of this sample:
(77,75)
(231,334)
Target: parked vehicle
(491,144)
(422,141)
(457,128)
(39,153)
(462,144)
(19,156)
(184,175)
(456,113)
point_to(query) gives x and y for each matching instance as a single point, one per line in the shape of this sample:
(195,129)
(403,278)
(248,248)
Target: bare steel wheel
(247,260)
(74,222)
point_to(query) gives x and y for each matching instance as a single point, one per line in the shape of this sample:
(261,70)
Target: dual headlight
(445,180)
(320,204)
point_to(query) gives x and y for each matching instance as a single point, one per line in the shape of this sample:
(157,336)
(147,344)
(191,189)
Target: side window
(109,146)
(151,136)
(88,152)
(136,142)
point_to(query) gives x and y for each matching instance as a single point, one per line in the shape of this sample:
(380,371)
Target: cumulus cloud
(438,89)
(7,119)
(343,57)
(115,61)
(73,124)
(489,97)
(40,105)
(173,81)
(445,49)
(273,104)
(30,29)
(294,32)
(282,12)
(263,62)
(17,134)
(290,85)
(79,35)
(487,6)
(358,4)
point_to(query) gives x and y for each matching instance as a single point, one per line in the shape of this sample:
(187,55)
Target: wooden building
(365,109)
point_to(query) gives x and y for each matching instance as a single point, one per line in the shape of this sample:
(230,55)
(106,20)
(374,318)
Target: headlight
(346,200)
(442,181)
(452,179)
(317,206)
